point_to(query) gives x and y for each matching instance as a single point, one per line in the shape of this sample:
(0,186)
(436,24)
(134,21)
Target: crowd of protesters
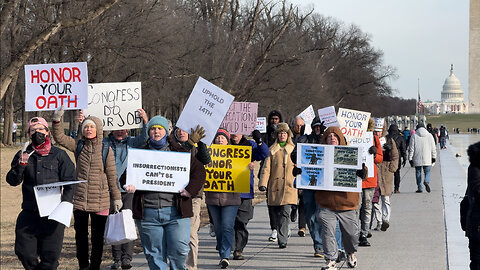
(338,222)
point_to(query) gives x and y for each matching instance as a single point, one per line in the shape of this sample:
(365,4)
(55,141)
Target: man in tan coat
(276,177)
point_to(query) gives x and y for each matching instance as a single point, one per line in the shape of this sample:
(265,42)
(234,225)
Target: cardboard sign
(329,167)
(353,123)
(262,124)
(328,116)
(49,86)
(116,104)
(365,143)
(228,171)
(307,115)
(241,118)
(206,106)
(162,171)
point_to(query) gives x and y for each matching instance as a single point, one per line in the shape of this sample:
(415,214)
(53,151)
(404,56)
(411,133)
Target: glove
(411,163)
(433,160)
(404,162)
(372,150)
(57,115)
(262,188)
(322,127)
(363,172)
(196,135)
(117,205)
(257,137)
(296,171)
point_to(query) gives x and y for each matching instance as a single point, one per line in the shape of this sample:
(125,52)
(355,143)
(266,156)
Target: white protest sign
(307,115)
(365,143)
(241,118)
(329,167)
(116,104)
(353,123)
(328,116)
(206,106)
(161,171)
(62,213)
(379,122)
(49,86)
(261,124)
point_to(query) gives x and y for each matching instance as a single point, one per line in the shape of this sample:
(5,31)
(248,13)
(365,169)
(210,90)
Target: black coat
(400,143)
(54,167)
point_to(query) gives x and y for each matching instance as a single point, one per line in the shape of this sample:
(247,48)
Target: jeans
(310,208)
(382,209)
(223,222)
(365,208)
(164,233)
(418,175)
(443,141)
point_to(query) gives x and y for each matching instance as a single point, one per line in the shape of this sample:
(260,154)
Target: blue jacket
(259,153)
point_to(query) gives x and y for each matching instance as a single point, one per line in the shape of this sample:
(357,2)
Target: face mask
(38,138)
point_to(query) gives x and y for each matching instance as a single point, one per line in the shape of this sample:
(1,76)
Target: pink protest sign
(241,118)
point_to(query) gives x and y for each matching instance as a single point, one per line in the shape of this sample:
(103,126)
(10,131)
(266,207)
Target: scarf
(158,144)
(44,148)
(282,144)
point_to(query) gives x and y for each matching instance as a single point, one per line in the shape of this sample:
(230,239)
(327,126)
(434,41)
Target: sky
(420,38)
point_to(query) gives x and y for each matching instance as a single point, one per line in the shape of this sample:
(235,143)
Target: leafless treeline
(260,51)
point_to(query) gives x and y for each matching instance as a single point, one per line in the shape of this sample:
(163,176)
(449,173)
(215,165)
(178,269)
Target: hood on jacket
(474,154)
(371,124)
(337,132)
(274,113)
(393,129)
(98,126)
(422,132)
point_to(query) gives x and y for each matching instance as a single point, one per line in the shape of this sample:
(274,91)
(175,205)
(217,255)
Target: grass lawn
(451,121)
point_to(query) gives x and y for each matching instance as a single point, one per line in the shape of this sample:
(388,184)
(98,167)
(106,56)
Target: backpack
(81,144)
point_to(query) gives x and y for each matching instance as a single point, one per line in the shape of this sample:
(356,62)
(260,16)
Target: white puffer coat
(422,148)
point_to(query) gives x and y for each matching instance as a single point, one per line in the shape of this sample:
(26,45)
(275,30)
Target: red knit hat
(224,133)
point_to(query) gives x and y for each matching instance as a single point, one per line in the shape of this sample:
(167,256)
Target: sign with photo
(228,171)
(329,167)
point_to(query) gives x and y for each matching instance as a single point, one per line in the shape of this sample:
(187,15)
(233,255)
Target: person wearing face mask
(163,218)
(92,198)
(38,240)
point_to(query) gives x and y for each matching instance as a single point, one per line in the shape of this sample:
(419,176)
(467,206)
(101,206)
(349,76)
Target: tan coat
(277,175)
(101,186)
(386,169)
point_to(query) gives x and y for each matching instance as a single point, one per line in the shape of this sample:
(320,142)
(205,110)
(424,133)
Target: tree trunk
(8,105)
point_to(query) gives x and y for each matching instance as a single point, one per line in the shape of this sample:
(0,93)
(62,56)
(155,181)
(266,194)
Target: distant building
(452,99)
(474,58)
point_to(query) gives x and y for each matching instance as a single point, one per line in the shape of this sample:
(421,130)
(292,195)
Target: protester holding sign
(276,177)
(341,206)
(92,198)
(245,211)
(223,207)
(119,141)
(40,163)
(198,149)
(163,218)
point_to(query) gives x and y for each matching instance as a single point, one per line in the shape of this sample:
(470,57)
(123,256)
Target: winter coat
(182,204)
(101,186)
(277,175)
(473,192)
(399,139)
(54,167)
(336,200)
(269,137)
(422,148)
(386,169)
(371,182)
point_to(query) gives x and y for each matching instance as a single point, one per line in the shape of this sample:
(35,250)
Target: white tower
(474,58)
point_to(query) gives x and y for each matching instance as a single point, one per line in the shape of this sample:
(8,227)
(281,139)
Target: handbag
(120,228)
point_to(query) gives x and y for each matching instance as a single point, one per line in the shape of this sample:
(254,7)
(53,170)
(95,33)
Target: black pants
(396,179)
(281,221)
(81,238)
(474,246)
(244,215)
(302,223)
(36,237)
(123,253)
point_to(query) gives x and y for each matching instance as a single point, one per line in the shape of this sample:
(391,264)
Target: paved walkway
(416,238)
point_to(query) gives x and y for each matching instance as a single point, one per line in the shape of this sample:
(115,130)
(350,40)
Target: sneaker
(419,191)
(212,230)
(282,246)
(379,225)
(237,255)
(385,225)
(224,263)
(427,187)
(273,236)
(302,232)
(318,253)
(115,265)
(126,265)
(331,265)
(341,256)
(397,191)
(369,235)
(363,242)
(352,260)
